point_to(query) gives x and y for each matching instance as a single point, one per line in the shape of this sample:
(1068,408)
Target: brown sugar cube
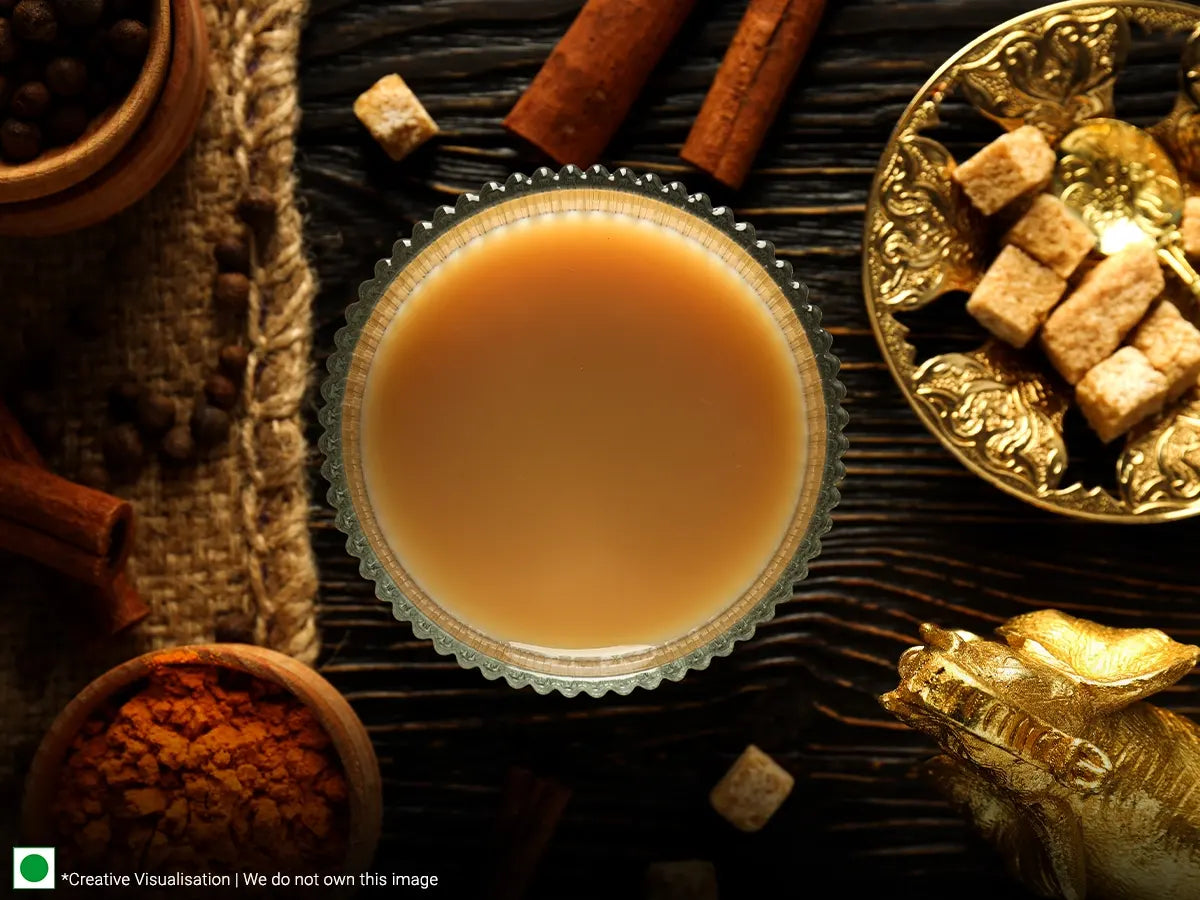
(1015,296)
(1053,235)
(1120,392)
(1090,324)
(394,116)
(752,790)
(1172,345)
(1191,226)
(1008,167)
(691,879)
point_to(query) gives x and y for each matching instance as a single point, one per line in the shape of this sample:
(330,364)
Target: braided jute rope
(226,535)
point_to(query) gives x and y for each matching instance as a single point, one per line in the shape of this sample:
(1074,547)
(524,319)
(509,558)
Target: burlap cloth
(229,534)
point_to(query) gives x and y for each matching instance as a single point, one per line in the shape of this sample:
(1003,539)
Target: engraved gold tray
(999,411)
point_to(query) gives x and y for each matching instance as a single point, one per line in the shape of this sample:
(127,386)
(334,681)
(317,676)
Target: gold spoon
(1122,183)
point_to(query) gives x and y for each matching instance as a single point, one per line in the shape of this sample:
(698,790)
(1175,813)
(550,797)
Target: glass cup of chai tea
(583,431)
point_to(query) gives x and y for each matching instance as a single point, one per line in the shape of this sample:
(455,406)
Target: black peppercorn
(123,451)
(155,414)
(77,13)
(30,100)
(234,628)
(9,48)
(19,141)
(257,209)
(232,255)
(123,400)
(221,391)
(67,76)
(210,426)
(33,21)
(232,291)
(67,123)
(232,361)
(178,445)
(128,38)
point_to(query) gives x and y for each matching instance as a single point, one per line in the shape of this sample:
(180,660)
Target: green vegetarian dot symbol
(34,867)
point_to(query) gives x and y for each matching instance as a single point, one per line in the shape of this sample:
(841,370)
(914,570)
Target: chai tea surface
(583,430)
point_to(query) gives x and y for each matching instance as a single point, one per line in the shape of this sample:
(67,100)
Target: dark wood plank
(916,537)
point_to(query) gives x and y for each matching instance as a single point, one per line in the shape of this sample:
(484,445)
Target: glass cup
(572,671)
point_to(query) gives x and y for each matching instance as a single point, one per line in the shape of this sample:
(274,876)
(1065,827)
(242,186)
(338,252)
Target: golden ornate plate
(1001,412)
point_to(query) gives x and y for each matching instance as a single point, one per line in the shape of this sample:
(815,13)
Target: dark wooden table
(916,537)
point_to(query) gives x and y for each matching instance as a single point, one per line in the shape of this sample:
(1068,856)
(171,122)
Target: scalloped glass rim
(333,392)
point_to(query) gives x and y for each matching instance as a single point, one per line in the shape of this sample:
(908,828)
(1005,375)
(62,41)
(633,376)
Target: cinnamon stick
(79,518)
(114,599)
(118,605)
(531,810)
(750,86)
(585,89)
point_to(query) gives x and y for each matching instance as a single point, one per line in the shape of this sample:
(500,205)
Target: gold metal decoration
(999,411)
(1122,183)
(1088,793)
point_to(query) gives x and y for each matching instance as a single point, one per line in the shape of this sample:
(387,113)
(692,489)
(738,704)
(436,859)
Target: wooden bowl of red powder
(195,763)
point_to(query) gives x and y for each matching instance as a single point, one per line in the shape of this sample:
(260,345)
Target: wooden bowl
(339,720)
(107,133)
(144,161)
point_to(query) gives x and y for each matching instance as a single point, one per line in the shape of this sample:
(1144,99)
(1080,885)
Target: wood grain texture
(916,537)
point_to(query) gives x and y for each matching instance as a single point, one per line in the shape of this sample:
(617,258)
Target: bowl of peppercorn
(78,78)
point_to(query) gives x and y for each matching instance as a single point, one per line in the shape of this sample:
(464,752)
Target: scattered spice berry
(123,451)
(221,391)
(93,475)
(232,291)
(78,13)
(20,141)
(123,400)
(233,255)
(33,21)
(233,359)
(202,769)
(30,100)
(67,76)
(234,628)
(210,426)
(155,414)
(257,209)
(128,38)
(67,123)
(178,445)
